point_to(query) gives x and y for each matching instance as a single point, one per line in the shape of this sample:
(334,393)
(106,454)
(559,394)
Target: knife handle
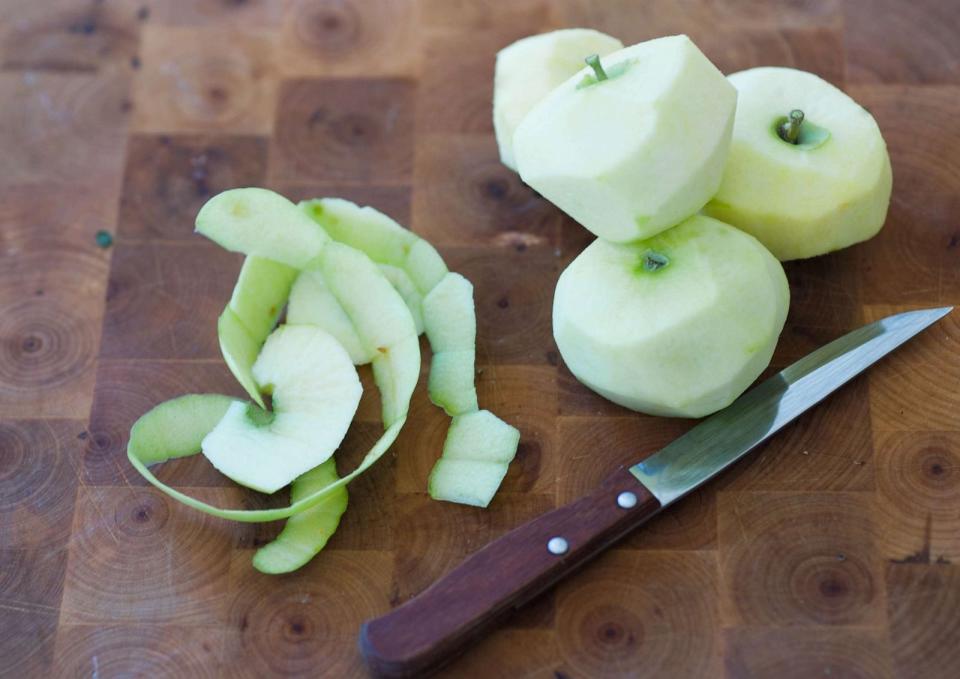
(432,627)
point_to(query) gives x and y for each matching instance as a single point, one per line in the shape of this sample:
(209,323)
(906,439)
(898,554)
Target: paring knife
(431,628)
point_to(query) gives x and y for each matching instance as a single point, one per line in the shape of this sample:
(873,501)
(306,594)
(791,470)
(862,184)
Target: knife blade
(429,629)
(726,436)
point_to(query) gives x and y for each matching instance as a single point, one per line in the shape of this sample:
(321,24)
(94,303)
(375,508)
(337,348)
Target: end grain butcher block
(833,550)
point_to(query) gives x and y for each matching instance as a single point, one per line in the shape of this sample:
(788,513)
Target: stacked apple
(671,311)
(359,289)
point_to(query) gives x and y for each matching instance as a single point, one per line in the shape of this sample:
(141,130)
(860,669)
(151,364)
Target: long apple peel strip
(397,249)
(140,460)
(305,534)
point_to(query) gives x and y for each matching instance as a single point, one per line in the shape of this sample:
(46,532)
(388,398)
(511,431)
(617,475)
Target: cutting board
(834,550)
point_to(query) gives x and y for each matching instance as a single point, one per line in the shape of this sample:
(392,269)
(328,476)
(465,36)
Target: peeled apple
(827,188)
(634,144)
(679,324)
(528,69)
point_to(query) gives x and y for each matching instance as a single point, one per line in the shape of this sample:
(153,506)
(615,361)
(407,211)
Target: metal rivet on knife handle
(627,500)
(557,545)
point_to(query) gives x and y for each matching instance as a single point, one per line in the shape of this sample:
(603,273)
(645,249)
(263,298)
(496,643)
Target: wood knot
(611,633)
(328,26)
(362,130)
(45,343)
(317,116)
(211,88)
(86,26)
(832,587)
(145,516)
(833,590)
(217,94)
(295,628)
(606,630)
(497,188)
(935,466)
(330,22)
(355,130)
(31,344)
(100,442)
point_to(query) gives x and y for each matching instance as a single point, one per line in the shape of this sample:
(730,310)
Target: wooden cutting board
(834,550)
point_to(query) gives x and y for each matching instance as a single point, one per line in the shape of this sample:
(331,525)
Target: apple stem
(790,129)
(593,61)
(653,260)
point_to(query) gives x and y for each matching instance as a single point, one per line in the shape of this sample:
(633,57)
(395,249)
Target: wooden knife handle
(431,628)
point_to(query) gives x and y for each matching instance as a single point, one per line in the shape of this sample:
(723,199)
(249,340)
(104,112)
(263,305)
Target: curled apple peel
(315,391)
(445,302)
(143,452)
(306,533)
(451,326)
(476,455)
(258,298)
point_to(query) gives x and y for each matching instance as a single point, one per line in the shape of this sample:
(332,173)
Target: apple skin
(528,69)
(261,222)
(305,534)
(480,435)
(476,457)
(312,303)
(409,262)
(379,237)
(315,391)
(683,340)
(176,428)
(466,482)
(383,323)
(633,155)
(258,298)
(450,319)
(802,200)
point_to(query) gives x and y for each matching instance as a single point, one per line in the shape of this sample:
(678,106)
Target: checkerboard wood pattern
(834,550)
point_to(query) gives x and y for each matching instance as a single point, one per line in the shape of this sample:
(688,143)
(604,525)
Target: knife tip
(925,317)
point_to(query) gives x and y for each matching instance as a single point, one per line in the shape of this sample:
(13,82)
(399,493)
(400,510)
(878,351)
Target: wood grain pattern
(833,549)
(344,130)
(641,613)
(212,79)
(168,178)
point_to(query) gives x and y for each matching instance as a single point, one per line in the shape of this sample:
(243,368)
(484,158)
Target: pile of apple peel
(358,289)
